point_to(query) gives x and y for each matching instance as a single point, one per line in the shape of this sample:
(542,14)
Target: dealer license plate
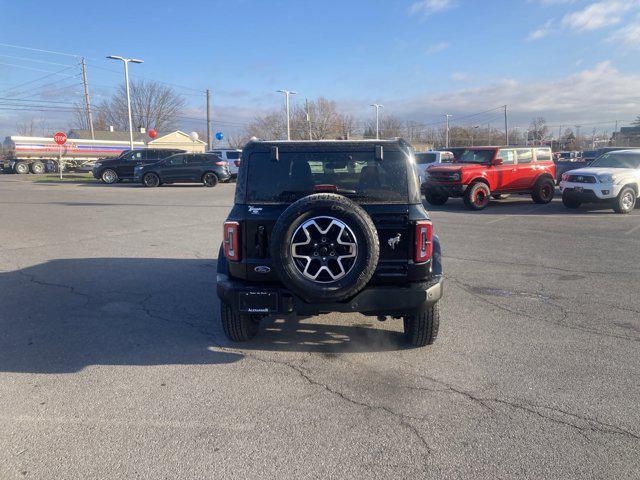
(258,302)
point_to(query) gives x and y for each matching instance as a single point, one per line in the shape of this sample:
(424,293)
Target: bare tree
(237,140)
(268,127)
(26,128)
(319,117)
(538,130)
(153,105)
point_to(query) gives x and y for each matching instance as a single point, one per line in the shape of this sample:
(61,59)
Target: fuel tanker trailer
(39,154)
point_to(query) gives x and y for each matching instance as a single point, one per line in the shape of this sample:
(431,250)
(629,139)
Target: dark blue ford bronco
(329,226)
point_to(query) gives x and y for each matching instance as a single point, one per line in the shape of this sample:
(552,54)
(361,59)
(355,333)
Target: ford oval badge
(262,269)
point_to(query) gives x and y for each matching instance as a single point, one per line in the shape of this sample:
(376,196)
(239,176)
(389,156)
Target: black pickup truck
(330,226)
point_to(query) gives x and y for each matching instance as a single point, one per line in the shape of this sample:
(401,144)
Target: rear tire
(37,168)
(421,327)
(109,176)
(625,202)
(238,327)
(435,199)
(21,168)
(543,191)
(151,180)
(210,179)
(569,202)
(477,196)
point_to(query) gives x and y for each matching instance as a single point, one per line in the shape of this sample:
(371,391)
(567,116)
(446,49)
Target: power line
(51,74)
(36,61)
(39,50)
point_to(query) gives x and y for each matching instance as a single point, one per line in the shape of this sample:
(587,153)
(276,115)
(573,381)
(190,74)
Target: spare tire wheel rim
(324,249)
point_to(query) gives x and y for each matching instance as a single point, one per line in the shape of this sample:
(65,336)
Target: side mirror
(275,154)
(497,161)
(379,153)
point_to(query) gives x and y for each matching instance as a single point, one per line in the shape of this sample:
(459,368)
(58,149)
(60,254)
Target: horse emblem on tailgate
(393,241)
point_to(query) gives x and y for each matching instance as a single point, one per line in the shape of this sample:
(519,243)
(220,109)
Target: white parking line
(637,227)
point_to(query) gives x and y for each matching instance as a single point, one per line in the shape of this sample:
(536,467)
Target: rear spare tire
(324,248)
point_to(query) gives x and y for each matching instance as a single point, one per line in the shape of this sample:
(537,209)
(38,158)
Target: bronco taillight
(231,241)
(424,241)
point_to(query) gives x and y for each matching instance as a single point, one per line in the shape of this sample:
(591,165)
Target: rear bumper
(375,300)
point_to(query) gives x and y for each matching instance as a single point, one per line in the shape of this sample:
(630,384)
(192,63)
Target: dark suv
(112,170)
(332,226)
(205,168)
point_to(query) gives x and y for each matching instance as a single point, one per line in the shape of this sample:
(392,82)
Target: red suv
(479,173)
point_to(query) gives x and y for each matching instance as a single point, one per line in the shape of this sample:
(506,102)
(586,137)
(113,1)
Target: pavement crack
(31,278)
(589,424)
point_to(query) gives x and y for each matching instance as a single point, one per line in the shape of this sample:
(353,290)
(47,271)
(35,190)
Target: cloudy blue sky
(571,61)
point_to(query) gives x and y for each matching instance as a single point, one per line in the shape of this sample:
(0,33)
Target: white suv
(231,156)
(432,157)
(613,178)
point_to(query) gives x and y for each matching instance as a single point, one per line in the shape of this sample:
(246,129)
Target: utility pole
(209,145)
(506,126)
(377,106)
(87,101)
(306,107)
(446,129)
(287,94)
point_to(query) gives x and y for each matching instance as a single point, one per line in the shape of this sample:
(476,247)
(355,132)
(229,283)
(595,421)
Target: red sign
(60,138)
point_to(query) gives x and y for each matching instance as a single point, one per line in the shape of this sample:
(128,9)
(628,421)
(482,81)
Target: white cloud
(427,7)
(601,93)
(628,36)
(541,32)
(436,48)
(599,14)
(459,76)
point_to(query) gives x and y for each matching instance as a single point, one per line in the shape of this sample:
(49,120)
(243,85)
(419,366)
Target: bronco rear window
(355,175)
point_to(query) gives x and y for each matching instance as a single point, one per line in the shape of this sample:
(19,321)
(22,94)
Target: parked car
(482,172)
(231,156)
(569,161)
(205,168)
(426,159)
(113,170)
(331,226)
(612,178)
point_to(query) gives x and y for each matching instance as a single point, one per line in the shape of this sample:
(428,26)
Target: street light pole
(287,93)
(377,106)
(446,129)
(473,131)
(126,82)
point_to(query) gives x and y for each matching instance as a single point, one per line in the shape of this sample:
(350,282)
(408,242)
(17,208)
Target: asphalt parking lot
(113,363)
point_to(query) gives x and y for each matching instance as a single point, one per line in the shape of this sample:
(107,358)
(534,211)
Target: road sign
(60,138)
